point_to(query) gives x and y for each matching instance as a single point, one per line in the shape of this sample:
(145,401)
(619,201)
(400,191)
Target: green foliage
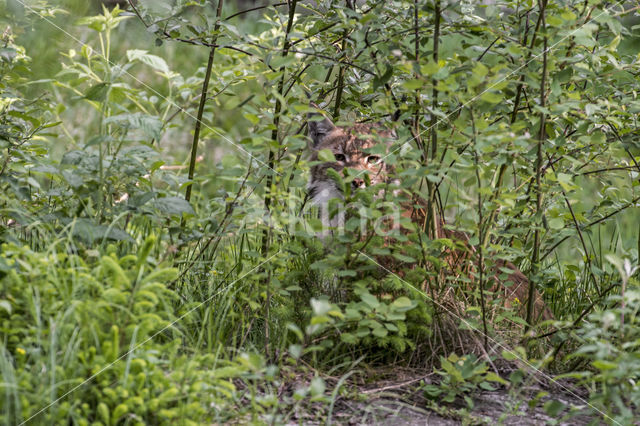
(460,376)
(517,122)
(95,339)
(366,322)
(610,353)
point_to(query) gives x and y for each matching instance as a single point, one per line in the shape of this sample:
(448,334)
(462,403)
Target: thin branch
(318,55)
(203,101)
(575,223)
(488,48)
(527,59)
(242,12)
(434,105)
(535,258)
(269,183)
(341,71)
(610,169)
(480,232)
(193,41)
(395,385)
(221,228)
(321,30)
(590,224)
(581,316)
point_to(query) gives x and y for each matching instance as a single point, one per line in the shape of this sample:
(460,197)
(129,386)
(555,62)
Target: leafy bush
(366,322)
(460,377)
(609,346)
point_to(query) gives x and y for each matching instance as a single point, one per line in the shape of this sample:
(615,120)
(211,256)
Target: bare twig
(395,385)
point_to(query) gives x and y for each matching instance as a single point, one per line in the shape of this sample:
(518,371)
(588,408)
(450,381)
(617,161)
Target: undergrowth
(123,301)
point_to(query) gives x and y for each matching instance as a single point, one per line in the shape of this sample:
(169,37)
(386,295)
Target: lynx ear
(319,126)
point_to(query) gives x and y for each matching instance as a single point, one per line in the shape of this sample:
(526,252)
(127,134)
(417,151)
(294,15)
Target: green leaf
(317,386)
(98,140)
(90,232)
(492,97)
(155,62)
(283,61)
(97,23)
(469,401)
(604,365)
(413,84)
(509,355)
(254,119)
(480,70)
(320,306)
(566,181)
(150,125)
(326,155)
(379,332)
(349,338)
(403,304)
(103,412)
(73,157)
(564,75)
(73,179)
(553,408)
(384,78)
(4,304)
(7,54)
(4,267)
(228,372)
(173,206)
(403,258)
(97,92)
(556,223)
(370,300)
(493,377)
(295,350)
(432,391)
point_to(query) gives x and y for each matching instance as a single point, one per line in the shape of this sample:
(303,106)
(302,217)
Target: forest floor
(401,402)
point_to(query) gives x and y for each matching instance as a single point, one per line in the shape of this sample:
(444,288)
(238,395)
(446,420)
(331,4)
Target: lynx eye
(373,159)
(339,157)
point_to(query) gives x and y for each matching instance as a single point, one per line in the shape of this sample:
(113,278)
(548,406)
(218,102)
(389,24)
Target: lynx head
(350,147)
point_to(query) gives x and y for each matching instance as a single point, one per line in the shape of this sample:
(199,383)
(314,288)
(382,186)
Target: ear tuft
(319,126)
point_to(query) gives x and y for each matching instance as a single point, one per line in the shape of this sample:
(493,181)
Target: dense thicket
(159,261)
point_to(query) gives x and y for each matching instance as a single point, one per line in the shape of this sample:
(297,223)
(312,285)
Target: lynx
(350,148)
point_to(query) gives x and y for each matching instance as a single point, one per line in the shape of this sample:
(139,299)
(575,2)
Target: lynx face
(349,147)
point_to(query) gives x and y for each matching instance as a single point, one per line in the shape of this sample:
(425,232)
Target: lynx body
(350,147)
